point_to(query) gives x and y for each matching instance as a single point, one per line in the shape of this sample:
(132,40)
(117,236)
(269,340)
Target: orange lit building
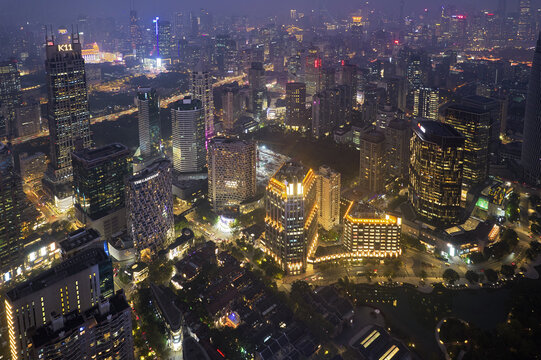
(371,233)
(291,217)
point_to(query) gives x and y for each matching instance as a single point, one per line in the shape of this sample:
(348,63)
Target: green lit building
(99,177)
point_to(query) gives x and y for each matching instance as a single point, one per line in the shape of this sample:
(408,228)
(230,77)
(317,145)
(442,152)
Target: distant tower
(10,97)
(401,14)
(201,89)
(531,146)
(148,104)
(68,114)
(256,79)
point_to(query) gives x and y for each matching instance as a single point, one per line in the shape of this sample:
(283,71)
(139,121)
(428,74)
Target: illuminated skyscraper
(312,72)
(188,124)
(201,89)
(295,105)
(531,146)
(76,284)
(68,114)
(232,173)
(372,165)
(291,217)
(148,104)
(369,232)
(99,177)
(474,125)
(436,166)
(136,36)
(230,106)
(11,206)
(426,103)
(149,208)
(10,97)
(258,91)
(525,20)
(163,38)
(328,197)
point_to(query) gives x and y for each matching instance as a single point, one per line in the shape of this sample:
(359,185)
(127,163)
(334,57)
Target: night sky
(65,10)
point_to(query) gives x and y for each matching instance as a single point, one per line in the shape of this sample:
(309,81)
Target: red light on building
(396,42)
(343,63)
(221,353)
(317,63)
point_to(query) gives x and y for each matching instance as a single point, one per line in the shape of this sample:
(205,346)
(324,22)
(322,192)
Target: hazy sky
(66,10)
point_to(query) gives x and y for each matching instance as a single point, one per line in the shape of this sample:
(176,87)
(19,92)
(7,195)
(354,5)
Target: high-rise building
(426,103)
(148,104)
(32,167)
(102,332)
(295,105)
(328,197)
(11,206)
(369,232)
(347,76)
(76,284)
(231,174)
(10,97)
(531,146)
(149,208)
(312,71)
(474,125)
(396,93)
(27,119)
(327,111)
(291,217)
(188,124)
(258,90)
(437,157)
(164,40)
(136,36)
(524,31)
(201,89)
(68,115)
(230,106)
(99,177)
(372,163)
(397,137)
(328,77)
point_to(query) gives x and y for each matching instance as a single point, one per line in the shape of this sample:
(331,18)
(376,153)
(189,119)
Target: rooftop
(291,172)
(93,157)
(79,238)
(71,266)
(187,104)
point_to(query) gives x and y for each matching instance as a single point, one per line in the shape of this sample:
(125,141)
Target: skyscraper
(164,41)
(327,111)
(201,89)
(232,173)
(474,125)
(99,177)
(328,197)
(11,206)
(426,103)
(149,208)
(68,115)
(136,36)
(148,104)
(437,157)
(531,146)
(256,80)
(397,137)
(230,106)
(347,76)
(188,124)
(396,92)
(372,163)
(291,216)
(102,332)
(312,71)
(524,31)
(295,105)
(10,97)
(76,284)
(369,232)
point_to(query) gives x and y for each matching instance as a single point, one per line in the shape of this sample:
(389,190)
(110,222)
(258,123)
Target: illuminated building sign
(482,203)
(65,47)
(357,19)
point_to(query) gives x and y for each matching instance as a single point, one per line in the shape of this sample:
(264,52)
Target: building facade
(148,104)
(231,173)
(291,217)
(372,163)
(328,197)
(436,167)
(68,116)
(99,177)
(188,124)
(75,284)
(201,89)
(149,208)
(371,233)
(397,137)
(426,103)
(10,97)
(295,105)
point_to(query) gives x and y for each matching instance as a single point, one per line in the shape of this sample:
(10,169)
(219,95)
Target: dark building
(327,111)
(10,97)
(295,105)
(372,161)
(102,332)
(258,91)
(99,177)
(397,136)
(436,166)
(149,125)
(531,146)
(68,115)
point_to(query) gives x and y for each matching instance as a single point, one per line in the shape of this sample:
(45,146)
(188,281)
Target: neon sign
(65,47)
